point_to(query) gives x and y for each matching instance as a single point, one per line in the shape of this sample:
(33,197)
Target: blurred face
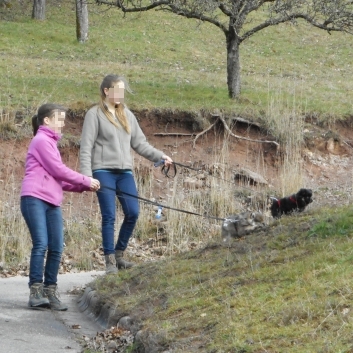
(56,122)
(115,94)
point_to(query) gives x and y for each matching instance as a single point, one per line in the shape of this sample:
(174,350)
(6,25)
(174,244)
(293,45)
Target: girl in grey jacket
(110,130)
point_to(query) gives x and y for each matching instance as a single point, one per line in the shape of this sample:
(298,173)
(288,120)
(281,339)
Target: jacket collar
(49,132)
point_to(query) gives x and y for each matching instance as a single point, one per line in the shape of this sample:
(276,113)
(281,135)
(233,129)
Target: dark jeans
(45,224)
(107,202)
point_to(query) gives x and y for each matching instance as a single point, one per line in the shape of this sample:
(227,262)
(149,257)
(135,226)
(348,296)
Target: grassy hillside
(284,290)
(171,62)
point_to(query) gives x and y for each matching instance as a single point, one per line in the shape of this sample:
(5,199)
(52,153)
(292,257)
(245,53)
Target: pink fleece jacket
(46,176)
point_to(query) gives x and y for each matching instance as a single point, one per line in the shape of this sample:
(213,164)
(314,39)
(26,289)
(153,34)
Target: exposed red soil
(327,155)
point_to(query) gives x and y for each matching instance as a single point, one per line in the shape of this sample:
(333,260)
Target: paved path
(41,331)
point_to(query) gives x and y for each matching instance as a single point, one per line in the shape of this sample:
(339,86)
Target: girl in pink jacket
(46,176)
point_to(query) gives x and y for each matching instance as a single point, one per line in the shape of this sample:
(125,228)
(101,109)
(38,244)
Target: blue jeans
(45,224)
(107,202)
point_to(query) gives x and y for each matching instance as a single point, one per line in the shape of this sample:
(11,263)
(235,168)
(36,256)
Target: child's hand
(95,184)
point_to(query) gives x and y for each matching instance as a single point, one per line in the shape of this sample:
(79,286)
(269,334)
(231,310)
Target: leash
(121,193)
(165,170)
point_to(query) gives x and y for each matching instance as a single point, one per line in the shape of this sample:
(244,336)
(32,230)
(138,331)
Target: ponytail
(45,111)
(35,124)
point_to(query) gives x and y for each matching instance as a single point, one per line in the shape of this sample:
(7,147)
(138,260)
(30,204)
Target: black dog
(294,203)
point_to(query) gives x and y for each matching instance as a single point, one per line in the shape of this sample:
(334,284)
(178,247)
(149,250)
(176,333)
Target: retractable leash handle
(158,164)
(165,169)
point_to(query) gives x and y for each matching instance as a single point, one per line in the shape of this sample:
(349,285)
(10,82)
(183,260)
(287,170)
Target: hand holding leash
(167,160)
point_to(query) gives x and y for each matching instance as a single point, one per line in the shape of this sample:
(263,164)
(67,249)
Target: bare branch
(221,118)
(203,132)
(226,11)
(172,134)
(198,16)
(120,5)
(241,137)
(263,25)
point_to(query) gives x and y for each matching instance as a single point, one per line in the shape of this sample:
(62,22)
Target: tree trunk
(38,12)
(233,65)
(81,20)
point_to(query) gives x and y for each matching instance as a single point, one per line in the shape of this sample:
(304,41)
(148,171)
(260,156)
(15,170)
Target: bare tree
(38,12)
(81,20)
(231,16)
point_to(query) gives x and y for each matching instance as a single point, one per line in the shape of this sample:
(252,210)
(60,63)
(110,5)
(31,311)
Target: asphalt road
(41,331)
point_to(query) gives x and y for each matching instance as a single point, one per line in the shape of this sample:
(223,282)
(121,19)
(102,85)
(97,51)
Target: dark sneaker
(51,292)
(36,297)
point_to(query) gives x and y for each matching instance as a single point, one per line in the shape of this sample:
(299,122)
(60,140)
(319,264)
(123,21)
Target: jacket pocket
(97,154)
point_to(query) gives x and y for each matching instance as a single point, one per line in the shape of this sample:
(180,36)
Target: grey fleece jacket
(104,146)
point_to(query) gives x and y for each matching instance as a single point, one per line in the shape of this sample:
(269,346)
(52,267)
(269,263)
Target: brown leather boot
(120,262)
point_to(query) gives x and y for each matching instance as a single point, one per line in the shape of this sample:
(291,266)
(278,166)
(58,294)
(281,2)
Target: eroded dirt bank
(327,152)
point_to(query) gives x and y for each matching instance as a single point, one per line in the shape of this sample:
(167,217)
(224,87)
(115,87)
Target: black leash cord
(120,193)
(165,171)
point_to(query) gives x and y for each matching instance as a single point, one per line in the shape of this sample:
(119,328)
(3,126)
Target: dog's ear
(304,193)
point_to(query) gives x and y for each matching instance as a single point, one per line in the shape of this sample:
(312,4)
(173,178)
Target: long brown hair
(108,82)
(45,111)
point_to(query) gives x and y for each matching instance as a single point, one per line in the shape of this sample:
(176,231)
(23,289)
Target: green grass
(285,290)
(171,62)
